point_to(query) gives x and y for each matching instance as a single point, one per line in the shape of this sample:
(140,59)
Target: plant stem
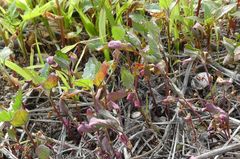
(198,7)
(55,109)
(151,92)
(30,137)
(61,24)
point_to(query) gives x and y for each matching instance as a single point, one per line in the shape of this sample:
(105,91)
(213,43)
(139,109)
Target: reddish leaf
(133,98)
(50,82)
(124,139)
(115,96)
(101,74)
(89,113)
(106,146)
(95,123)
(69,95)
(137,103)
(213,109)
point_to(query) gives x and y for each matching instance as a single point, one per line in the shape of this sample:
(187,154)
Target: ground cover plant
(119,79)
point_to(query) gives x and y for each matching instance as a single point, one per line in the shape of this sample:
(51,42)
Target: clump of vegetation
(119,79)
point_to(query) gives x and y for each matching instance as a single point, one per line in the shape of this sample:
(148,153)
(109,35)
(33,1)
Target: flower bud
(115,44)
(50,60)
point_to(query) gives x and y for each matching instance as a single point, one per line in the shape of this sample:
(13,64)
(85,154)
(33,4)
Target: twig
(219,151)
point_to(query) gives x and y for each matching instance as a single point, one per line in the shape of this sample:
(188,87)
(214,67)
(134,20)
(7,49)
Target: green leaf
(132,38)
(224,10)
(229,45)
(18,100)
(102,31)
(18,70)
(152,8)
(20,118)
(44,72)
(5,116)
(236,14)
(127,78)
(91,68)
(121,10)
(20,4)
(68,48)
(153,53)
(12,134)
(108,8)
(165,4)
(62,60)
(43,152)
(89,26)
(63,78)
(50,82)
(118,32)
(94,44)
(86,83)
(37,11)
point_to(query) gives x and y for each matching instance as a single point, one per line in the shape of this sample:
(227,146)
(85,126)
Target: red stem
(198,7)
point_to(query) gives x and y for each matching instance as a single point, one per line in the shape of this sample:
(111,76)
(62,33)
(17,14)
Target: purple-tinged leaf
(124,139)
(114,105)
(95,123)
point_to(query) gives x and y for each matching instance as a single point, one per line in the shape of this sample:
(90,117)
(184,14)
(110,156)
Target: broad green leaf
(18,100)
(62,59)
(132,38)
(5,116)
(44,72)
(50,82)
(12,134)
(95,44)
(224,10)
(43,152)
(86,83)
(127,78)
(20,118)
(61,54)
(153,53)
(118,32)
(91,68)
(138,18)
